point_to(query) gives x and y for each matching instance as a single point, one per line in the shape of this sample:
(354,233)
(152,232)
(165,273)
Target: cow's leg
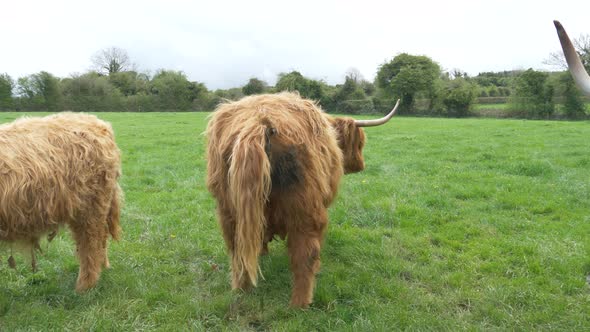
(106,264)
(34,246)
(304,252)
(228,227)
(267,238)
(90,240)
(227,221)
(269,232)
(33,260)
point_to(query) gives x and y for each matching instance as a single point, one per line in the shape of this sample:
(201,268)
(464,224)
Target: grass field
(503,110)
(454,225)
(483,107)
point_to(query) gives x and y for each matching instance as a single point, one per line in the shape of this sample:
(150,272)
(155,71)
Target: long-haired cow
(274,164)
(573,60)
(57,170)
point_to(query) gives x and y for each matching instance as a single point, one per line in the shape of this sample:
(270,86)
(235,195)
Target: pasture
(454,224)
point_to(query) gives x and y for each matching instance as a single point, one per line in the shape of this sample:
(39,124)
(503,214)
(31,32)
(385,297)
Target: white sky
(223,43)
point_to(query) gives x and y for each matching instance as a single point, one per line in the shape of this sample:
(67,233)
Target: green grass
(483,107)
(500,110)
(454,225)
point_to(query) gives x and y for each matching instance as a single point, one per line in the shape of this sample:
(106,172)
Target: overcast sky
(224,43)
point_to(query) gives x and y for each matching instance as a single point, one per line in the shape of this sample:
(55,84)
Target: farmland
(454,224)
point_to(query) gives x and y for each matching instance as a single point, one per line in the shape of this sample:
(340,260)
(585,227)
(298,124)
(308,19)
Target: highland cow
(273,164)
(61,170)
(573,60)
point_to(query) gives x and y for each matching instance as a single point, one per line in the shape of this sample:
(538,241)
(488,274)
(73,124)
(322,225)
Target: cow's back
(301,145)
(52,170)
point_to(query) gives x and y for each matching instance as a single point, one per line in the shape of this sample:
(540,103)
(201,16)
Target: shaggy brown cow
(57,170)
(274,164)
(573,60)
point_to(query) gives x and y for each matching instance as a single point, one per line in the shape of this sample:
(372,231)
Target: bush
(406,76)
(6,86)
(141,103)
(573,105)
(254,86)
(39,92)
(533,96)
(458,97)
(294,81)
(383,105)
(172,90)
(504,92)
(91,92)
(206,102)
(363,106)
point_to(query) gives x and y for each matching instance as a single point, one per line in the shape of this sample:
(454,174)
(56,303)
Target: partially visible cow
(57,170)
(274,163)
(573,60)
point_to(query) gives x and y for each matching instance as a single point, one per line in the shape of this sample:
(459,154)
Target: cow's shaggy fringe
(274,164)
(57,170)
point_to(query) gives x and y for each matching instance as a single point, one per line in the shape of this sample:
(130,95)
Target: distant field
(499,110)
(478,107)
(455,224)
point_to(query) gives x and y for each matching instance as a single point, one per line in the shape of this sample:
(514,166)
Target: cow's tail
(249,182)
(114,214)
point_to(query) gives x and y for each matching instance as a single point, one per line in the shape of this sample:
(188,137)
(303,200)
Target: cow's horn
(573,60)
(377,122)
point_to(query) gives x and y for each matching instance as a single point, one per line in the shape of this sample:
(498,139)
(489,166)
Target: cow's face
(351,140)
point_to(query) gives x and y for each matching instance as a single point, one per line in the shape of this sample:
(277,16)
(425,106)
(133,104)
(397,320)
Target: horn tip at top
(558,26)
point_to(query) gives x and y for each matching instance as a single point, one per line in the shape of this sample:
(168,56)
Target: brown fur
(57,170)
(274,164)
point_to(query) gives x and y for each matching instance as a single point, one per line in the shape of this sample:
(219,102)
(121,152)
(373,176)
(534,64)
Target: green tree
(504,91)
(294,81)
(210,100)
(254,86)
(406,75)
(458,96)
(493,91)
(173,90)
(350,90)
(231,94)
(497,79)
(532,95)
(368,87)
(6,87)
(350,97)
(91,92)
(40,92)
(130,82)
(200,96)
(573,104)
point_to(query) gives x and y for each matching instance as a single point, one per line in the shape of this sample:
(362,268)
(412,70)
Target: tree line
(423,87)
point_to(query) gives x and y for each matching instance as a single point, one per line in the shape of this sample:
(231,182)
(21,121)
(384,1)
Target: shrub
(458,97)
(363,106)
(91,92)
(573,105)
(532,96)
(254,86)
(6,87)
